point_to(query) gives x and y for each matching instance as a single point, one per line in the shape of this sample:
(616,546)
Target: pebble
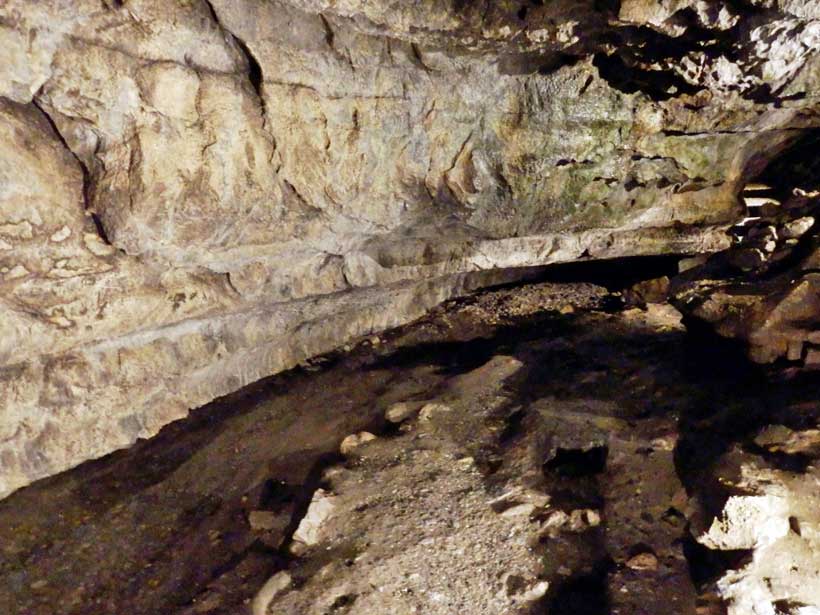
(554,523)
(643,561)
(400,412)
(354,441)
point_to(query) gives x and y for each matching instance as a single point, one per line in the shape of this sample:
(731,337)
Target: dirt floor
(542,449)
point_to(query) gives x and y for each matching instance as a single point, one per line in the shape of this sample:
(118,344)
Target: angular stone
(308,533)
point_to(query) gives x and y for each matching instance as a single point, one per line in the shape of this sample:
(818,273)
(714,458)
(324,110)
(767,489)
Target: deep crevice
(87,182)
(658,85)
(254,69)
(255,75)
(614,274)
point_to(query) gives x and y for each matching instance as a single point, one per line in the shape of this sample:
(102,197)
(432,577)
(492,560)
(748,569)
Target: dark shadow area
(584,594)
(576,462)
(659,85)
(646,57)
(707,566)
(797,166)
(613,274)
(639,47)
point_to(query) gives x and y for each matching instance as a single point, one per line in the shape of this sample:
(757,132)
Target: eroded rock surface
(195,195)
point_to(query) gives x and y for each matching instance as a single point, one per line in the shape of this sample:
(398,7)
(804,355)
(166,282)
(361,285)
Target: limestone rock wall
(194,195)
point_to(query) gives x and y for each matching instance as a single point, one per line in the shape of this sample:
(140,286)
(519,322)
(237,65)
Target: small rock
(274,586)
(593,518)
(664,443)
(517,497)
(781,439)
(522,589)
(648,291)
(643,561)
(400,412)
(567,309)
(97,246)
(262,520)
(536,592)
(18,271)
(466,463)
(797,228)
(519,510)
(680,499)
(354,441)
(773,437)
(309,531)
(430,410)
(583,518)
(61,235)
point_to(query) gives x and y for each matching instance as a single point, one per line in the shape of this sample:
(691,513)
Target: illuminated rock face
(195,195)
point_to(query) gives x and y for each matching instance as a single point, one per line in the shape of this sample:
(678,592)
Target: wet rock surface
(536,449)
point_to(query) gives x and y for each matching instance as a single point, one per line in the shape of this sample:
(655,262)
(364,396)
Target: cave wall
(195,195)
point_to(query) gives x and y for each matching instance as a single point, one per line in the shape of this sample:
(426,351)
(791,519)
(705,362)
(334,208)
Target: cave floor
(547,452)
